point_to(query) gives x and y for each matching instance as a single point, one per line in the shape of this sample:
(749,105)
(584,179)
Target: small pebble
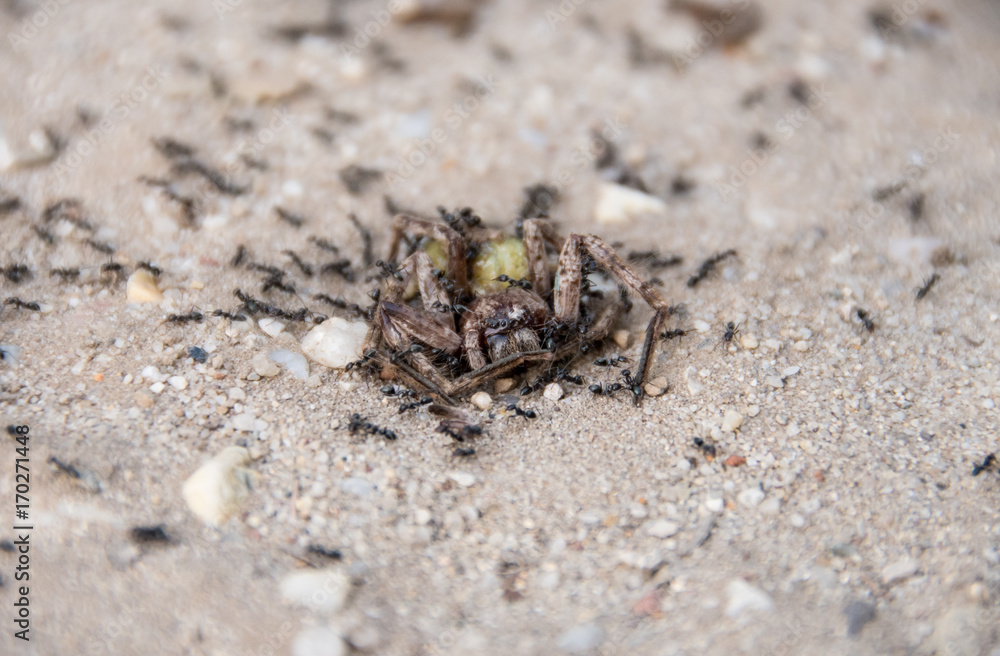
(801,345)
(693,380)
(617,204)
(749,342)
(294,363)
(744,598)
(858,613)
(465,479)
(503,385)
(236,394)
(553,392)
(359,487)
(482,400)
(318,641)
(217,489)
(142,288)
(581,639)
(264,366)
(143,400)
(335,342)
(750,497)
(775,382)
(735,461)
(732,421)
(899,570)
(178,382)
(157,387)
(324,590)
(197,354)
(662,528)
(656,387)
(753,411)
(715,504)
(622,338)
(271,326)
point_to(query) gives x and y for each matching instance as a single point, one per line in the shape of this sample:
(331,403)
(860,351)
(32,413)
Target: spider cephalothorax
(490,303)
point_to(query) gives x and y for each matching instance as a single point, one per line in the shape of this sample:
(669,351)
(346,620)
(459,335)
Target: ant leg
(403,224)
(536,233)
(567,297)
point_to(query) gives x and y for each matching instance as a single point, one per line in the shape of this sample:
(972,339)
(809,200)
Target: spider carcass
(490,303)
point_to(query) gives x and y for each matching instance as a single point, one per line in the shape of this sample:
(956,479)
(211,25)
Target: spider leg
(536,233)
(494,369)
(403,224)
(567,297)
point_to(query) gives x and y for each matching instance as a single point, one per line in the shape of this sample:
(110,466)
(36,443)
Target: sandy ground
(597,527)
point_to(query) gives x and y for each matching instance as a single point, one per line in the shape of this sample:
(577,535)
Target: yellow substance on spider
(495,258)
(498,257)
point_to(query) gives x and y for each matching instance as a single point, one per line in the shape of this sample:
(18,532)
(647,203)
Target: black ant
(613,361)
(269,269)
(609,390)
(463,452)
(732,330)
(44,234)
(341,267)
(292,219)
(528,414)
(325,245)
(365,360)
(240,257)
(927,285)
(100,246)
(276,282)
(523,283)
(389,269)
(153,269)
(366,239)
(342,304)
(22,305)
(67,209)
(9,204)
(459,430)
(708,266)
(196,317)
(401,392)
(358,423)
(113,272)
(675,332)
(303,266)
(415,404)
(232,316)
(631,385)
(17,273)
(213,176)
(654,260)
(705,447)
(149,534)
(988,463)
(866,320)
(67,273)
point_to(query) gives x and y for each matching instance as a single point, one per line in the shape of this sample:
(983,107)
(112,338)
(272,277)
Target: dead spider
(469,311)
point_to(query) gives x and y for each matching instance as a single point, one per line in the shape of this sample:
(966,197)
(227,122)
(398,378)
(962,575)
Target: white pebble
(801,345)
(693,380)
(294,363)
(245,421)
(789,371)
(335,342)
(178,382)
(236,394)
(732,421)
(152,373)
(318,641)
(775,382)
(749,342)
(358,487)
(622,338)
(773,344)
(271,326)
(715,504)
(482,400)
(744,597)
(617,204)
(324,590)
(465,479)
(264,366)
(750,497)
(900,570)
(753,411)
(217,490)
(157,387)
(581,639)
(553,392)
(662,528)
